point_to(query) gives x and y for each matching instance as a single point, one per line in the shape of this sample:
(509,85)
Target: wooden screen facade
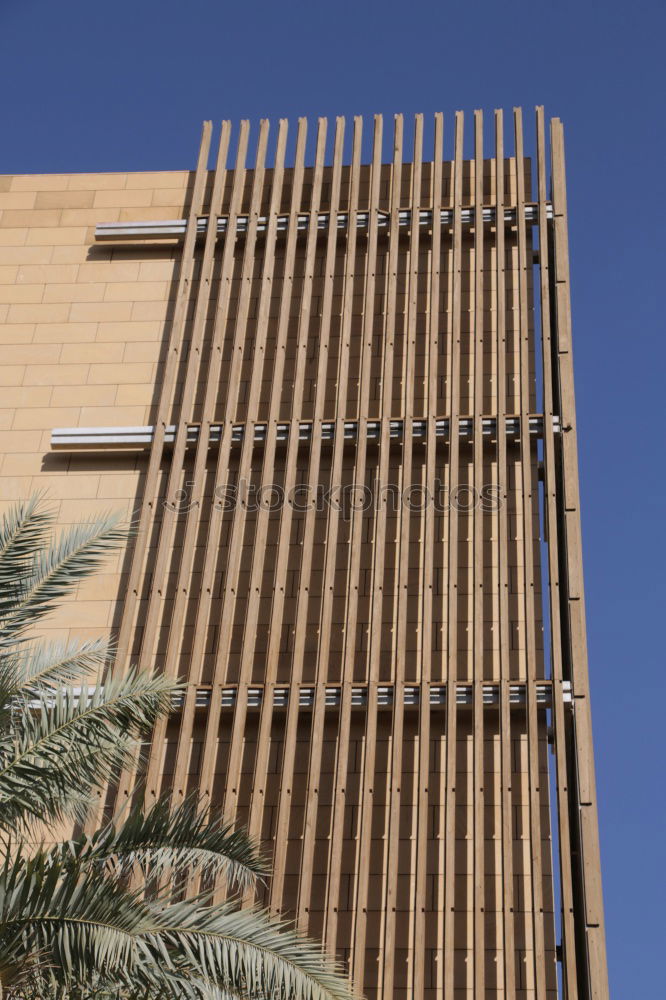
(349,544)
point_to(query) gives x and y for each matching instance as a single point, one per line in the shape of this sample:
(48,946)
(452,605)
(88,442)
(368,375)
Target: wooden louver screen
(411,832)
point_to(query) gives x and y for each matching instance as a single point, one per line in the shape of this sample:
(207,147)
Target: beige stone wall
(81,332)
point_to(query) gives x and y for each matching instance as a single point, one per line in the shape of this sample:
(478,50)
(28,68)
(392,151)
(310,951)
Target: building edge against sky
(332,378)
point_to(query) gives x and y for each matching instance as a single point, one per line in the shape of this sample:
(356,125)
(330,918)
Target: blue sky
(125,85)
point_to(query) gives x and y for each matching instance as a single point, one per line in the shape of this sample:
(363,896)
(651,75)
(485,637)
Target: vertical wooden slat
(403,566)
(314,463)
(352,595)
(296,397)
(478,572)
(331,544)
(266,710)
(166,398)
(239,520)
(229,411)
(552,535)
(240,514)
(527,461)
(193,523)
(186,415)
(210,750)
(509,957)
(419,942)
(177,461)
(592,919)
(451,661)
(291,724)
(440,668)
(176,339)
(377,586)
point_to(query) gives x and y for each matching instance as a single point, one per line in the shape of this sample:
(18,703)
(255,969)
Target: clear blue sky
(125,84)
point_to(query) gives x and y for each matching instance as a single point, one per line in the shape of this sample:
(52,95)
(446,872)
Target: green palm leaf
(166,840)
(34,669)
(23,531)
(245,951)
(73,929)
(80,927)
(37,667)
(55,571)
(76,739)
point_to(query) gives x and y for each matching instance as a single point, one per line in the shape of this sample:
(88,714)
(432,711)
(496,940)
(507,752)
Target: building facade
(331,379)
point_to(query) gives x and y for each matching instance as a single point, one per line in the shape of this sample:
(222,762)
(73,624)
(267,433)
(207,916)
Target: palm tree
(74,923)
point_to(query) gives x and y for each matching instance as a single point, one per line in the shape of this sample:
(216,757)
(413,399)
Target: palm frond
(163,840)
(77,739)
(39,667)
(56,570)
(23,531)
(213,991)
(94,930)
(78,925)
(245,951)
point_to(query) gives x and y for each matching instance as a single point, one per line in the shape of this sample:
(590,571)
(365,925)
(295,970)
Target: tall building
(332,377)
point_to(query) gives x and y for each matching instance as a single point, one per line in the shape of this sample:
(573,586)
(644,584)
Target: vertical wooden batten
(551,527)
(219,677)
(504,666)
(592,969)
(451,666)
(403,532)
(478,663)
(527,531)
(257,803)
(427,581)
(296,671)
(369,777)
(342,759)
(328,557)
(174,479)
(149,508)
(194,513)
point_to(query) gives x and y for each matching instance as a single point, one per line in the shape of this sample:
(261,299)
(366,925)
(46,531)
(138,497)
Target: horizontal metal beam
(134,437)
(170,228)
(385,695)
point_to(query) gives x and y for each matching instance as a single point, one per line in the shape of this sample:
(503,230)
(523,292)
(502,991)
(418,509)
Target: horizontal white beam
(385,695)
(176,227)
(134,437)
